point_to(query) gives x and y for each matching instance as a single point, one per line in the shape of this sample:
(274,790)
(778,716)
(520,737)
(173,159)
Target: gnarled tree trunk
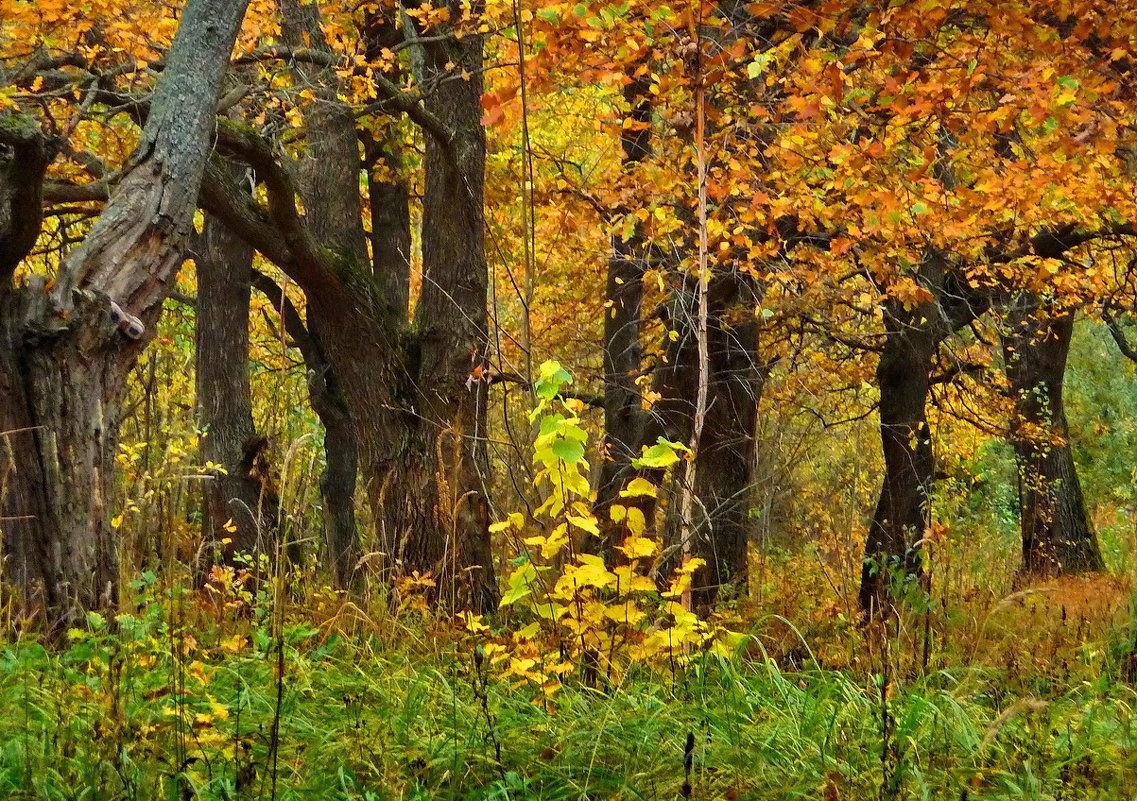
(416,395)
(66,350)
(440,466)
(904,378)
(341,456)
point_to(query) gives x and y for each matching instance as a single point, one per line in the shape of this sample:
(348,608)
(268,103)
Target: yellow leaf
(550,610)
(473,623)
(638,487)
(626,612)
(636,522)
(590,573)
(586,523)
(638,547)
(233,643)
(551,545)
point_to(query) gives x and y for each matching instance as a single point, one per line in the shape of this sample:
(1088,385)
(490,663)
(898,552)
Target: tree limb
(408,103)
(1123,344)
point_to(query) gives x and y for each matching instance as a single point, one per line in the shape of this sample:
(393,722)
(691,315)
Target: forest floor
(1026,697)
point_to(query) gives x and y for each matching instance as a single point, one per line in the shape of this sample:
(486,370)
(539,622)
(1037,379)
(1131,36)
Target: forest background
(567,400)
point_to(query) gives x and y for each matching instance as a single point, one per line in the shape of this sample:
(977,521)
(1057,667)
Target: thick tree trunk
(347,343)
(442,460)
(389,201)
(66,351)
(727,451)
(728,446)
(338,479)
(1057,536)
(417,398)
(236,492)
(23,160)
(388,193)
(625,419)
(903,377)
(61,405)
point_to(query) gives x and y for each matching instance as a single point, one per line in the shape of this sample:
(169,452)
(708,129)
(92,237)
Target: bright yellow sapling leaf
(638,487)
(635,547)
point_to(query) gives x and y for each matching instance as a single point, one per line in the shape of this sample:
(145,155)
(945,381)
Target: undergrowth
(592,681)
(179,699)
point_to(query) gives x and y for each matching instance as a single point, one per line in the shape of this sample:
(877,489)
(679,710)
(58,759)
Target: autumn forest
(539,399)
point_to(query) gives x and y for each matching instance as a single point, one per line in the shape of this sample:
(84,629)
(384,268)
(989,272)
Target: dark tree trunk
(441,467)
(625,419)
(728,446)
(23,488)
(727,451)
(341,469)
(389,201)
(1057,536)
(417,398)
(23,160)
(67,350)
(903,377)
(341,462)
(329,182)
(388,194)
(236,492)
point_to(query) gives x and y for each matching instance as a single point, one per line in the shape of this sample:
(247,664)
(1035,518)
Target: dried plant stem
(687,504)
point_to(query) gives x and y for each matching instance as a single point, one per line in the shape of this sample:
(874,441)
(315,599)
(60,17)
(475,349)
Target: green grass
(140,709)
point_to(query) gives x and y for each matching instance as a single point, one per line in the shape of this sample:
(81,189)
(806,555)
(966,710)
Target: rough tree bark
(1057,536)
(447,473)
(341,461)
(625,419)
(912,336)
(23,160)
(388,194)
(237,491)
(66,349)
(329,184)
(416,394)
(904,378)
(728,449)
(735,382)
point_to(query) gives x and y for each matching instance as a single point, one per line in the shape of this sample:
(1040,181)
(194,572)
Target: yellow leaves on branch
(578,605)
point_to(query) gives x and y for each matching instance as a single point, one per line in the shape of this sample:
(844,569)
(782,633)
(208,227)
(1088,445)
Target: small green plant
(574,611)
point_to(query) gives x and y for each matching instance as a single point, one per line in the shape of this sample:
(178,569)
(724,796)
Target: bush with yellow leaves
(574,612)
